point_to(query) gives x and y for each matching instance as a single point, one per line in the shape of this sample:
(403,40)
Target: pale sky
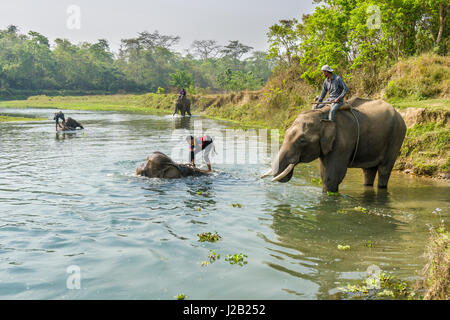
(244,20)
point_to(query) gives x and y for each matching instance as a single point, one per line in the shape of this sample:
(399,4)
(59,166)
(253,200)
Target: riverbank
(13,119)
(425,151)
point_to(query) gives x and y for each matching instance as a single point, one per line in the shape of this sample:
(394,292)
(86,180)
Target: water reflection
(307,238)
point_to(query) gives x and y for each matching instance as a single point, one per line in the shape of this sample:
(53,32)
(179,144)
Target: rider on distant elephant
(183,93)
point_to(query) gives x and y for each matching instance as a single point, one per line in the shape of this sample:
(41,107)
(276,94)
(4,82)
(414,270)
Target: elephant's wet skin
(372,142)
(159,165)
(69,125)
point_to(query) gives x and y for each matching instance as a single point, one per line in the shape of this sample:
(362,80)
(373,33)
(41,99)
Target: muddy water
(71,202)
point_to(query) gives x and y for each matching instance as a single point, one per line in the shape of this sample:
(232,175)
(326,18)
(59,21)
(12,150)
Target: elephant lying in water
(158,165)
(371,143)
(69,125)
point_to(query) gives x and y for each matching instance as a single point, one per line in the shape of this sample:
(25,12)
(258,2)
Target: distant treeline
(147,63)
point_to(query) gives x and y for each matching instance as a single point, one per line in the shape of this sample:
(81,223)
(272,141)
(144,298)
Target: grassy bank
(146,103)
(12,119)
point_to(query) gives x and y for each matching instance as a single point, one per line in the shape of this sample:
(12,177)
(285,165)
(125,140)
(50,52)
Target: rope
(357,140)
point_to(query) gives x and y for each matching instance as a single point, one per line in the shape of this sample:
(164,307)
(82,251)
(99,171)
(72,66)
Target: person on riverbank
(196,145)
(336,89)
(59,115)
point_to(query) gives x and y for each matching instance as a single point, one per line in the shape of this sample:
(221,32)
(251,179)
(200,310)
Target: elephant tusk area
(268,173)
(284,173)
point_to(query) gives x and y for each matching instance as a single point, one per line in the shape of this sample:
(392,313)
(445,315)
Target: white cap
(326,68)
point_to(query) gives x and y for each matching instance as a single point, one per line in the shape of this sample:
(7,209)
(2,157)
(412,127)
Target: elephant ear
(327,136)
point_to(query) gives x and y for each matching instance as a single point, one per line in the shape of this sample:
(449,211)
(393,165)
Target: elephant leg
(188,109)
(369,176)
(332,175)
(384,172)
(176,110)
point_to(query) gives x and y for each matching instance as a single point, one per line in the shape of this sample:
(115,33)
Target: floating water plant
(204,263)
(180,296)
(237,205)
(208,236)
(343,247)
(342,211)
(361,209)
(385,286)
(199,192)
(213,256)
(316,181)
(238,259)
(369,244)
(333,194)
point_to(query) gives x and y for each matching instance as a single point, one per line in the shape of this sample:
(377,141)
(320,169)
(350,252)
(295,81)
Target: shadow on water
(306,239)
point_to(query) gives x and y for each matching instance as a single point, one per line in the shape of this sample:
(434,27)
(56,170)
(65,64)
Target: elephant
(366,134)
(69,125)
(159,165)
(183,104)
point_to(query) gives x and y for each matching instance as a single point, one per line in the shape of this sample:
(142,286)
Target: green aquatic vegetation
(342,211)
(369,244)
(209,237)
(213,256)
(180,296)
(361,209)
(204,263)
(384,286)
(316,181)
(355,289)
(386,293)
(237,205)
(343,247)
(199,192)
(333,194)
(238,259)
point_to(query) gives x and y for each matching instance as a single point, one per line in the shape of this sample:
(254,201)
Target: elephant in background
(182,104)
(159,165)
(69,125)
(372,143)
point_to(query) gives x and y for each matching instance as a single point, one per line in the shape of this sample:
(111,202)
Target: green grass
(11,119)
(431,104)
(146,103)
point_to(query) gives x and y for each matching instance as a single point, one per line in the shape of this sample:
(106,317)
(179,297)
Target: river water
(76,223)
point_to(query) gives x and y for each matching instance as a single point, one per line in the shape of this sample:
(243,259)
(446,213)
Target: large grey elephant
(182,104)
(69,125)
(372,142)
(159,165)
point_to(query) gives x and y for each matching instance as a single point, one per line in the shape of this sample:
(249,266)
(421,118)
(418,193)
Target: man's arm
(324,92)
(344,89)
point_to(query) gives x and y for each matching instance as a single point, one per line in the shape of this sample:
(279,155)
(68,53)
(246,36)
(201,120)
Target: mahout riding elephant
(182,104)
(159,165)
(69,125)
(368,135)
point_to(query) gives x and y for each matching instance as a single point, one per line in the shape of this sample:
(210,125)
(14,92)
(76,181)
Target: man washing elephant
(336,88)
(196,145)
